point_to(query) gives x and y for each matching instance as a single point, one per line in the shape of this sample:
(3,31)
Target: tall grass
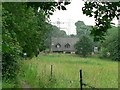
(96,72)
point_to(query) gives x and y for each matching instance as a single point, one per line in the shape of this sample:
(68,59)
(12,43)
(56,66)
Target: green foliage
(104,13)
(84,46)
(82,29)
(7,84)
(54,31)
(49,7)
(10,46)
(24,31)
(19,35)
(111,45)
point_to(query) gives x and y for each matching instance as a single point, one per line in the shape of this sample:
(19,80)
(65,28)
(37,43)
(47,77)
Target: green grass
(99,73)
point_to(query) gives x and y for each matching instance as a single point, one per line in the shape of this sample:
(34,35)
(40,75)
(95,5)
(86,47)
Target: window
(58,45)
(67,45)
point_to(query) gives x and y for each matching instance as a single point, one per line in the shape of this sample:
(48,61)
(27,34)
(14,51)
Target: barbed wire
(66,80)
(85,84)
(76,81)
(70,81)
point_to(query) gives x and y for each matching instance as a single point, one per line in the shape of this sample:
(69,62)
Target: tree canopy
(82,29)
(104,13)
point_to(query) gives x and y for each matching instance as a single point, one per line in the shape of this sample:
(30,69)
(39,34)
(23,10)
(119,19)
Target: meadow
(36,72)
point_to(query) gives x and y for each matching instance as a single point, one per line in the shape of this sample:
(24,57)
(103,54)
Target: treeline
(107,48)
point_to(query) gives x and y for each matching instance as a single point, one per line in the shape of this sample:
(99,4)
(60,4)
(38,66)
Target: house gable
(64,44)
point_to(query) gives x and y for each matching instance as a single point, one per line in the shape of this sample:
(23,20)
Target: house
(65,45)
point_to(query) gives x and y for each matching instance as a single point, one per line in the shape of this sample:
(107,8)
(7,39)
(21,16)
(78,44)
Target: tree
(49,7)
(104,13)
(84,46)
(82,29)
(110,45)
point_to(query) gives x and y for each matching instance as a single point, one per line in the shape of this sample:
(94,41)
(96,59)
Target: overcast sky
(72,15)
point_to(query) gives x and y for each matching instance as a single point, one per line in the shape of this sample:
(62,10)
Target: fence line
(72,81)
(81,83)
(51,71)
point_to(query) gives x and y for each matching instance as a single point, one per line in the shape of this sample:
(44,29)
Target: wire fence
(80,81)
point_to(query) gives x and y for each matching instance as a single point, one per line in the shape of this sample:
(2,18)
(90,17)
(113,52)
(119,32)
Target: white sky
(72,15)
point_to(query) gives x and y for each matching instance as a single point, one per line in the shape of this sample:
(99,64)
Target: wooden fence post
(81,88)
(51,71)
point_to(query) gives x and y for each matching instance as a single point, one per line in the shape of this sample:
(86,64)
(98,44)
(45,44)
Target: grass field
(99,73)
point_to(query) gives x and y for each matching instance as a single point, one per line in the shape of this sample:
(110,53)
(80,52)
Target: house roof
(63,41)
